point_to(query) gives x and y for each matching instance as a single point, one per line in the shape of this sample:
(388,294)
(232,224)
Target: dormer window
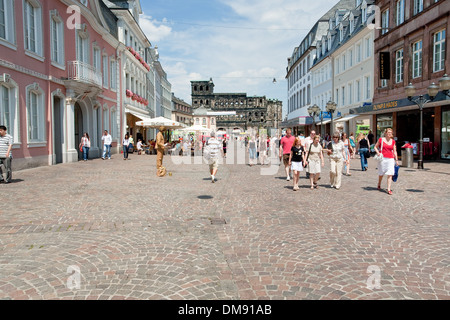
(364,12)
(352,23)
(341,33)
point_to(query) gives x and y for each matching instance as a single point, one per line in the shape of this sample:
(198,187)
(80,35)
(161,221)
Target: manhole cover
(218,221)
(205,197)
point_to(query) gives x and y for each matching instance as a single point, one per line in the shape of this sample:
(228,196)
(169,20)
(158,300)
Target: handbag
(395,176)
(367,154)
(309,151)
(379,156)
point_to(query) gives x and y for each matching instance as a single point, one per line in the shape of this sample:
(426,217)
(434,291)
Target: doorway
(78,129)
(58,129)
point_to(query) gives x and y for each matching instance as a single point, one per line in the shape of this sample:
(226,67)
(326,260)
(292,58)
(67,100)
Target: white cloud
(154,30)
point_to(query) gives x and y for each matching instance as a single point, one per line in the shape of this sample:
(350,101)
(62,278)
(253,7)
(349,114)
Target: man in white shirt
(6,143)
(107,140)
(213,151)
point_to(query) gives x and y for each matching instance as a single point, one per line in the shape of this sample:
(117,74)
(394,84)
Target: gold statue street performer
(160,170)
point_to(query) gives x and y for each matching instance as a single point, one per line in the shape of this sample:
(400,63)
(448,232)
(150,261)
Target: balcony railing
(83,72)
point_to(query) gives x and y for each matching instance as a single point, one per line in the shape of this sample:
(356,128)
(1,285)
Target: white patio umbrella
(196,128)
(158,122)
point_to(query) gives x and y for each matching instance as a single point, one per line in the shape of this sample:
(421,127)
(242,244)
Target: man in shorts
(6,143)
(214,148)
(285,151)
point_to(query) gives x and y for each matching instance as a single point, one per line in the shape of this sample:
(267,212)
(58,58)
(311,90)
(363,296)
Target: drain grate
(218,221)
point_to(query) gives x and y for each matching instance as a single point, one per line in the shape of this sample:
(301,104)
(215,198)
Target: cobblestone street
(133,235)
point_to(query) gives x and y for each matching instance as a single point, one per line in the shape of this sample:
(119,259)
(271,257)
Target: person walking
(363,149)
(336,151)
(307,142)
(389,151)
(6,143)
(252,151)
(224,147)
(286,144)
(262,149)
(213,151)
(315,161)
(348,151)
(352,145)
(85,145)
(107,140)
(297,161)
(126,146)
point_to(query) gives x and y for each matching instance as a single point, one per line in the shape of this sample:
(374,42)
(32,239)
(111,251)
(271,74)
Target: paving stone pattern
(248,236)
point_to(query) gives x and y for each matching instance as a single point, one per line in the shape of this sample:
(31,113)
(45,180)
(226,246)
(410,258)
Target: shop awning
(323,123)
(346,118)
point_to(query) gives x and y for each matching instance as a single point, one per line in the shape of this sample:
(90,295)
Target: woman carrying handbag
(388,152)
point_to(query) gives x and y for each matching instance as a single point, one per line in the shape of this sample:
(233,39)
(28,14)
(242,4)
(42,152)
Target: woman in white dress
(315,158)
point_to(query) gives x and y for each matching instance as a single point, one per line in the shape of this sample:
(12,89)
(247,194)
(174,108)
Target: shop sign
(385,105)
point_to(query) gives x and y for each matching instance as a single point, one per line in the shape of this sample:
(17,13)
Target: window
(417,59)
(358,53)
(418,6)
(350,58)
(337,96)
(400,12)
(106,118)
(350,93)
(384,21)
(358,91)
(439,51)
(33,27)
(368,48)
(113,71)
(7,25)
(96,60)
(105,72)
(57,37)
(399,66)
(343,95)
(35,113)
(82,46)
(367,81)
(204,121)
(344,63)
(352,24)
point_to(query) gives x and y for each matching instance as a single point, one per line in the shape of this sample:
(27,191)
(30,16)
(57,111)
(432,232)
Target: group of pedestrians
(308,154)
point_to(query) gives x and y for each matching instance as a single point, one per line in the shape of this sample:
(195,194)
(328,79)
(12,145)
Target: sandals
(389,192)
(379,187)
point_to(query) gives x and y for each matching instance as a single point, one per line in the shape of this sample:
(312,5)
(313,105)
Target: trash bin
(407,156)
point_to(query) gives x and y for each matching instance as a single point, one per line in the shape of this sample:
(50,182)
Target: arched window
(35,113)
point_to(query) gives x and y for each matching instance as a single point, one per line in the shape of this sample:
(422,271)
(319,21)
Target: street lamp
(331,108)
(444,84)
(421,101)
(313,111)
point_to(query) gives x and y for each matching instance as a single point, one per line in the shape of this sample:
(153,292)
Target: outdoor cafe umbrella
(196,128)
(159,122)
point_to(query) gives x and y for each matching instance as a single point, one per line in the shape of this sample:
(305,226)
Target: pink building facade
(59,77)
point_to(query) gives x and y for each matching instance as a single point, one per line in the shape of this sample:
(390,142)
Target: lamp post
(331,108)
(421,101)
(444,84)
(313,111)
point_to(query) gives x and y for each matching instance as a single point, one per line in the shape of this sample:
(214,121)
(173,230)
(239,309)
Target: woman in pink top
(389,152)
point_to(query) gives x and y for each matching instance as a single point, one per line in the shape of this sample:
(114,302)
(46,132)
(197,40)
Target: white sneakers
(212,179)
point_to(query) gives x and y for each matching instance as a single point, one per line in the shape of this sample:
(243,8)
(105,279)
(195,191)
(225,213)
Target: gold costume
(159,148)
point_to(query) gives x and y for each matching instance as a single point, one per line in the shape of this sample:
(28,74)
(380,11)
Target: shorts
(297,166)
(213,164)
(286,158)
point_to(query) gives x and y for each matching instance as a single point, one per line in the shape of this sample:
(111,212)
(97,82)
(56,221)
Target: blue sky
(241,44)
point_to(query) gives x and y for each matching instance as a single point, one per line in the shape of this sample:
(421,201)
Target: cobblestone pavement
(133,235)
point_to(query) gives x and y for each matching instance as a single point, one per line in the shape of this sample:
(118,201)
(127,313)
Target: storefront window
(445,153)
(384,121)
